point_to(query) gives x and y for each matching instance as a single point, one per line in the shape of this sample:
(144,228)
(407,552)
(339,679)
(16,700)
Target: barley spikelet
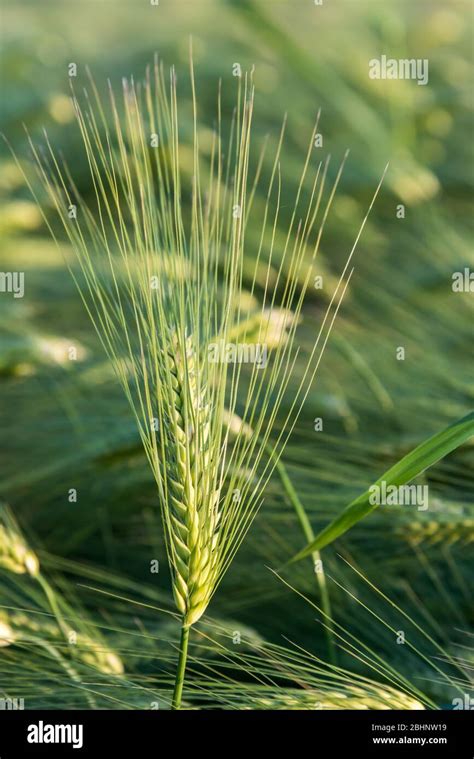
(193,516)
(353,699)
(96,654)
(18,626)
(7,636)
(15,555)
(435,532)
(24,625)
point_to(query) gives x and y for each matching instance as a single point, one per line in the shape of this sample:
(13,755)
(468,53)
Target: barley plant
(165,277)
(63,627)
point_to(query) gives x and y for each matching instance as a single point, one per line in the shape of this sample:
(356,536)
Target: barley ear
(192,509)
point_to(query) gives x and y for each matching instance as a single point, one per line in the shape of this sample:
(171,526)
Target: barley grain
(15,555)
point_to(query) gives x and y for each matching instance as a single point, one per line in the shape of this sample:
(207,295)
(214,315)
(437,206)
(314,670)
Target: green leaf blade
(410,466)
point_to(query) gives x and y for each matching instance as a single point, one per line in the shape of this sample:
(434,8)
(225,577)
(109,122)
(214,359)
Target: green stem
(316,556)
(181,668)
(51,597)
